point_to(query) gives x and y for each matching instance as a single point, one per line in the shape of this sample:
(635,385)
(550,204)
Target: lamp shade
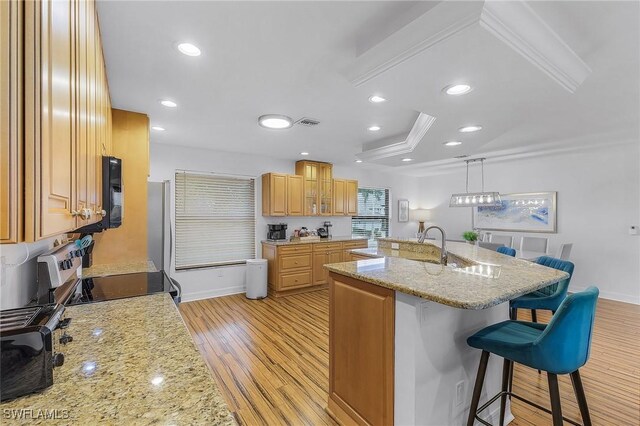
(420,215)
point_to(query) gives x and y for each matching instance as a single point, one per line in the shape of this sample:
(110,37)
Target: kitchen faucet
(443,249)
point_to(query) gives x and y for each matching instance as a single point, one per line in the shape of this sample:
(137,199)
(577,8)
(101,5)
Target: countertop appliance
(277,231)
(325,231)
(29,339)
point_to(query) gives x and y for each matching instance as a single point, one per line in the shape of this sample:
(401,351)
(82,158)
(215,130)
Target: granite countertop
(475,278)
(322,240)
(118,269)
(131,361)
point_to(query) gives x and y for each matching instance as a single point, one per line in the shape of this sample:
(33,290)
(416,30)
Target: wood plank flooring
(270,359)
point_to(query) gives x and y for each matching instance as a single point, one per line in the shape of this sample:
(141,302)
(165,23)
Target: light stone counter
(118,269)
(131,361)
(476,278)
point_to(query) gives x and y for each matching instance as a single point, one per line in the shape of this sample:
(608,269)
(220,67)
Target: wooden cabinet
(318,187)
(351,197)
(361,318)
(11,129)
(345,197)
(295,194)
(282,195)
(52,75)
(324,253)
(296,268)
(339,197)
(274,194)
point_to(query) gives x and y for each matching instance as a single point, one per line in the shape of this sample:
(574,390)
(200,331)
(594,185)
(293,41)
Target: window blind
(215,220)
(373,214)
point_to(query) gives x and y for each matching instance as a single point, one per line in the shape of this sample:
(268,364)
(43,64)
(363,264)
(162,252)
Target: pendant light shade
(473,199)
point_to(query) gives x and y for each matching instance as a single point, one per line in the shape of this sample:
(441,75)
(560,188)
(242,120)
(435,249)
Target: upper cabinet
(312,191)
(11,136)
(63,92)
(318,187)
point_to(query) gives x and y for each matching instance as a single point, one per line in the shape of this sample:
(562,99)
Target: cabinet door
(310,189)
(11,130)
(351,197)
(83,158)
(54,106)
(294,195)
(339,197)
(278,195)
(325,182)
(320,275)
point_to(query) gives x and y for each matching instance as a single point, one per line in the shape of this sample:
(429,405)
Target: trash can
(256,279)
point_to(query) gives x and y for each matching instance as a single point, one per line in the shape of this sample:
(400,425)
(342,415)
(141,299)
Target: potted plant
(470,236)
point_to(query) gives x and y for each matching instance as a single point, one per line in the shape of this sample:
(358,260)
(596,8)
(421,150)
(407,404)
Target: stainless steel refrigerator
(159,224)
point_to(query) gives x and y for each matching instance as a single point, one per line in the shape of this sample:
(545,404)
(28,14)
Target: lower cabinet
(361,352)
(298,268)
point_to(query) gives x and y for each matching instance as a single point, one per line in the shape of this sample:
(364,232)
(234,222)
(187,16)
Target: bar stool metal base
(507,383)
(516,396)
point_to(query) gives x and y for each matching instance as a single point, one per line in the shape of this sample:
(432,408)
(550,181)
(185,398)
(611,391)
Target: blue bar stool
(507,250)
(561,347)
(548,298)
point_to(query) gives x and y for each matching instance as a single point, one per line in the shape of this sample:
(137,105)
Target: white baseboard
(611,295)
(208,294)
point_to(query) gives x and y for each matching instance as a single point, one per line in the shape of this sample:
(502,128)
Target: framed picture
(403,210)
(527,212)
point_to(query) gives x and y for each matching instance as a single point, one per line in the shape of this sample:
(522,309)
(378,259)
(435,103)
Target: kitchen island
(398,324)
(131,361)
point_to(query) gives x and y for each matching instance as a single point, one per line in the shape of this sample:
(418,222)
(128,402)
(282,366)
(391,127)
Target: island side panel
(432,357)
(361,352)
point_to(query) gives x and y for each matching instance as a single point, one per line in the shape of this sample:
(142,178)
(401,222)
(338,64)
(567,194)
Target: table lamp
(421,216)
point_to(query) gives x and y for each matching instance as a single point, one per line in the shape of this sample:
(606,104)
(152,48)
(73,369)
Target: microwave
(112,197)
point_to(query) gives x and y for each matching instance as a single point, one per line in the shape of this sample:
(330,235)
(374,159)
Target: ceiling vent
(307,122)
(461,156)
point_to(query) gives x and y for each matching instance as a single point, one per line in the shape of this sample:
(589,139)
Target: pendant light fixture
(472,199)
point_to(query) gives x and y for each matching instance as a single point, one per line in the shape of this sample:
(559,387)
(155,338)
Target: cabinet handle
(75,213)
(100,212)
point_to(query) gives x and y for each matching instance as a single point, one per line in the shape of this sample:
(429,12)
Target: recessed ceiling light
(189,49)
(406,160)
(453,143)
(469,129)
(275,121)
(158,128)
(374,128)
(304,153)
(376,99)
(358,161)
(457,89)
(168,103)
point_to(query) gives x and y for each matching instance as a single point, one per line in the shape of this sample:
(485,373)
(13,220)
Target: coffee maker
(277,231)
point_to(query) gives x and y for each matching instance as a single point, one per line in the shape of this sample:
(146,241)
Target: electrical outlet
(395,246)
(459,393)
(633,230)
(220,273)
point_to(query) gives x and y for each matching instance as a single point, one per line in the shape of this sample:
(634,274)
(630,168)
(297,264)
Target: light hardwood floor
(270,359)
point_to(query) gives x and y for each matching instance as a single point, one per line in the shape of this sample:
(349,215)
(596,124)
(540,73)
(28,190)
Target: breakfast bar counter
(131,361)
(398,324)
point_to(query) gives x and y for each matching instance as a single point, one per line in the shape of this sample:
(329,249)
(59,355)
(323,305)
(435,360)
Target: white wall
(209,282)
(598,200)
(18,272)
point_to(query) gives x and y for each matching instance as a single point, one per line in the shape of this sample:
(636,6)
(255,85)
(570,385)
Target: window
(215,220)
(373,214)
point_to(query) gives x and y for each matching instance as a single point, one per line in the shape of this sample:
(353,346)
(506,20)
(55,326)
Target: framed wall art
(403,210)
(526,212)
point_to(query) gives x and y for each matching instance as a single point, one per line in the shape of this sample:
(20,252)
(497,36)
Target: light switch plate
(634,230)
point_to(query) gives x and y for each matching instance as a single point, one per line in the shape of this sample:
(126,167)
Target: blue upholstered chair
(561,347)
(548,298)
(507,250)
